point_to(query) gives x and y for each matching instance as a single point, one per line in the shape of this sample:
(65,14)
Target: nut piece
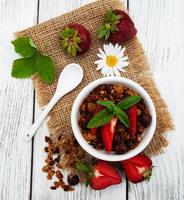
(53,188)
(59,175)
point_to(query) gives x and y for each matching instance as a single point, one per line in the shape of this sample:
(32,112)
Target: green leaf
(24,46)
(110,25)
(45,68)
(83,167)
(23,67)
(108,104)
(32,43)
(122,116)
(100,119)
(129,102)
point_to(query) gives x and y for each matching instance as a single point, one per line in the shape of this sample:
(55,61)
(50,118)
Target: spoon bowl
(70,78)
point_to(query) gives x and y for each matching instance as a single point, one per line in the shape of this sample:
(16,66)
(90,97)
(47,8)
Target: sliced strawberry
(107,133)
(141,160)
(138,168)
(132,116)
(104,175)
(93,131)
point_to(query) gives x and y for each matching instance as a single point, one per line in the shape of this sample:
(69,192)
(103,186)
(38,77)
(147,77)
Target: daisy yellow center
(111,61)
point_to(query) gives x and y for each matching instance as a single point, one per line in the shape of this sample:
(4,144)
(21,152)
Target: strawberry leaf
(129,102)
(23,67)
(100,119)
(45,68)
(32,62)
(24,46)
(110,22)
(83,167)
(70,41)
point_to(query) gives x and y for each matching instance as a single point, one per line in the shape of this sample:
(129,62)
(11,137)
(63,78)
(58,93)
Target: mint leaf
(83,167)
(45,68)
(129,102)
(24,46)
(100,119)
(122,116)
(107,103)
(23,67)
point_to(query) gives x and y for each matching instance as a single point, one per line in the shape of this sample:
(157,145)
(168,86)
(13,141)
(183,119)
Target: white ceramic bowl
(147,135)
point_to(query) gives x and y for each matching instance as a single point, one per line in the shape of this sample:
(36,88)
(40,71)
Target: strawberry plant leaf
(83,167)
(129,102)
(23,68)
(45,68)
(24,46)
(100,119)
(108,104)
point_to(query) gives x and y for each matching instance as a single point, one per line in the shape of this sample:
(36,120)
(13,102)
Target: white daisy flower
(112,60)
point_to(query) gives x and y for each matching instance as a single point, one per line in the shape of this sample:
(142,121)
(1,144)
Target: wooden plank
(16,103)
(40,188)
(160,29)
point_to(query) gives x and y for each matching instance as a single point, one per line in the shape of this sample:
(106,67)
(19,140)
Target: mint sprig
(129,102)
(100,119)
(111,110)
(32,62)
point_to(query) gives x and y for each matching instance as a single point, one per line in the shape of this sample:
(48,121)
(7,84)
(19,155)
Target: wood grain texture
(16,104)
(160,29)
(40,187)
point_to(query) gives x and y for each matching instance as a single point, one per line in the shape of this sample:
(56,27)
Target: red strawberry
(132,116)
(104,175)
(75,39)
(107,133)
(138,168)
(117,27)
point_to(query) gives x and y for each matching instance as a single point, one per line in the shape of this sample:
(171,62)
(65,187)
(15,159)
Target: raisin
(121,148)
(73,179)
(145,119)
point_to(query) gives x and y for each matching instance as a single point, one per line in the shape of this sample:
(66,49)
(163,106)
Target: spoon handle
(32,130)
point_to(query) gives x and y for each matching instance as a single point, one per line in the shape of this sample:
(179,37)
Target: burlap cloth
(46,37)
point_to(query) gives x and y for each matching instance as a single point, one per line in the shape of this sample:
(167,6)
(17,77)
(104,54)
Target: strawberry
(107,133)
(75,39)
(132,116)
(104,175)
(138,168)
(117,27)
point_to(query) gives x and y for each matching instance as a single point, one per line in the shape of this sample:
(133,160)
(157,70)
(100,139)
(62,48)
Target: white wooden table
(161,30)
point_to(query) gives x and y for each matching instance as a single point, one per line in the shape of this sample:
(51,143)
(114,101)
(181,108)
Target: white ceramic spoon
(69,79)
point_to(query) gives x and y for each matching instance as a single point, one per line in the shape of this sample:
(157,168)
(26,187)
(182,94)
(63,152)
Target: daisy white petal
(125,58)
(106,49)
(99,62)
(102,52)
(116,72)
(100,56)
